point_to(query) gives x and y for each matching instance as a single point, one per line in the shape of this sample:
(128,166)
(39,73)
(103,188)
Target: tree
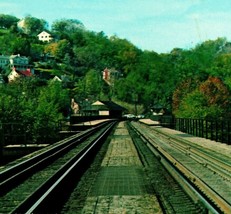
(7,21)
(34,26)
(37,106)
(51,48)
(63,48)
(21,46)
(93,83)
(210,100)
(7,44)
(36,51)
(216,92)
(126,54)
(64,28)
(193,105)
(181,91)
(221,67)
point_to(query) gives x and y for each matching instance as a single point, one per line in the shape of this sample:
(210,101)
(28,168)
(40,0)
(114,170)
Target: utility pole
(135,102)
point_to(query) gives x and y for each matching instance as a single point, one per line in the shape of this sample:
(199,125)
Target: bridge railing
(217,130)
(20,133)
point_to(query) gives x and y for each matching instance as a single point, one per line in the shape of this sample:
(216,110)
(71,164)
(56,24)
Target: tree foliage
(7,21)
(63,28)
(37,106)
(33,25)
(200,76)
(209,99)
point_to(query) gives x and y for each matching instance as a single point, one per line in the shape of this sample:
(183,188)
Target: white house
(44,36)
(13,75)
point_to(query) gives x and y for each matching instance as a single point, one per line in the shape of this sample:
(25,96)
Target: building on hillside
(105,108)
(16,73)
(44,36)
(56,78)
(18,60)
(13,75)
(20,63)
(21,25)
(4,61)
(110,75)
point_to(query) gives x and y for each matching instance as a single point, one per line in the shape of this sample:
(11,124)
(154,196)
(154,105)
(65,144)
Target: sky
(154,25)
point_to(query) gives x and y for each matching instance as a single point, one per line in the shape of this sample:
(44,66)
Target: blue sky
(155,25)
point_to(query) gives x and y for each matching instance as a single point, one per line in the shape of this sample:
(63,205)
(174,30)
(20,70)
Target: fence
(217,130)
(12,133)
(19,133)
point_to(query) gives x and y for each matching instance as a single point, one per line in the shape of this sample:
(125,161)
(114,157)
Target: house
(56,78)
(20,63)
(13,75)
(110,75)
(4,61)
(105,108)
(14,61)
(18,60)
(16,73)
(44,36)
(21,25)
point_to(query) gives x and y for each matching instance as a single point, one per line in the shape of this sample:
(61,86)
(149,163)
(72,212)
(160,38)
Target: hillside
(191,83)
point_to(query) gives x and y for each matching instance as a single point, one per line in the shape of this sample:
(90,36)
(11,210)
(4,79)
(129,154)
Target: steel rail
(193,149)
(184,183)
(221,167)
(12,176)
(212,200)
(211,163)
(41,196)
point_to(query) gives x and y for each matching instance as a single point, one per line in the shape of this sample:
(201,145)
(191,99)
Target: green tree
(7,21)
(221,67)
(126,54)
(64,28)
(193,105)
(63,48)
(21,46)
(36,51)
(37,106)
(93,83)
(33,26)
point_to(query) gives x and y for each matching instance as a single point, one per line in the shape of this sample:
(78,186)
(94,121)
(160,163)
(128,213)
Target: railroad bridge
(119,166)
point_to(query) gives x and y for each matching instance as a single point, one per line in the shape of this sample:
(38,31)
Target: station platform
(90,123)
(149,122)
(207,143)
(120,186)
(69,129)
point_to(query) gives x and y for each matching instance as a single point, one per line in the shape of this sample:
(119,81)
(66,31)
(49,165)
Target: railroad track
(129,179)
(31,185)
(203,173)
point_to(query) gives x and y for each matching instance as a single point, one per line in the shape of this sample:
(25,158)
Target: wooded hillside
(192,83)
